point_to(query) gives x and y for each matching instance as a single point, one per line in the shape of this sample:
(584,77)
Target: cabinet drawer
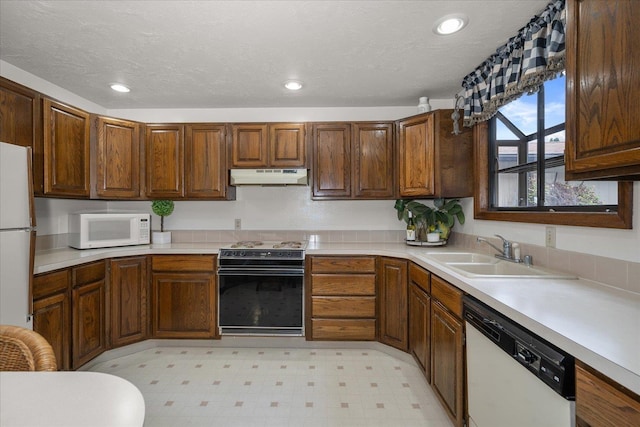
(183,263)
(89,273)
(50,283)
(420,277)
(343,329)
(343,264)
(447,294)
(343,306)
(343,284)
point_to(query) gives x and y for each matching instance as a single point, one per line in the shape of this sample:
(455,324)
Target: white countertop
(69,399)
(597,324)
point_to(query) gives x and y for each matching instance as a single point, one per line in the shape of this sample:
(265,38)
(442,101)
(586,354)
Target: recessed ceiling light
(450,24)
(293,84)
(120,88)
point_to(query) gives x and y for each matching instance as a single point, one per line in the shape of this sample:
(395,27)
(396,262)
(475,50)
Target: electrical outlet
(550,237)
(238,224)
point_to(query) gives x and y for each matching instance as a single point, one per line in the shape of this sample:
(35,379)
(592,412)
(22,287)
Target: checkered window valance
(534,55)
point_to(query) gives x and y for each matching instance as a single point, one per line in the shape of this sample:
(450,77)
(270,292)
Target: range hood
(269,177)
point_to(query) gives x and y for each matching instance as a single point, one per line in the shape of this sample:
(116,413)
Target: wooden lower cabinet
(52,313)
(183,290)
(88,297)
(420,317)
(447,349)
(128,295)
(601,402)
(341,298)
(393,294)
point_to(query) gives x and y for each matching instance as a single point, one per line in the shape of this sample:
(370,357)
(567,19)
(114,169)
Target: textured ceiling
(227,54)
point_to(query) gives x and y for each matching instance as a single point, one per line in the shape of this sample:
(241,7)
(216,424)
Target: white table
(87,399)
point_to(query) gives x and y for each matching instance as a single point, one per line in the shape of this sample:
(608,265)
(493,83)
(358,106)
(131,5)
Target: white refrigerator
(17,236)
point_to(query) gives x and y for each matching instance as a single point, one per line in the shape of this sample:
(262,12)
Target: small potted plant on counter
(162,208)
(437,219)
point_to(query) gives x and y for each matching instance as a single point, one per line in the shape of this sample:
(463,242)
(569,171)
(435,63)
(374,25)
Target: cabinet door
(416,156)
(66,150)
(52,320)
(249,146)
(373,169)
(89,313)
(164,161)
(19,113)
(393,302)
(21,124)
(419,328)
(183,305)
(603,58)
(129,284)
(601,402)
(205,154)
(287,145)
(447,361)
(331,160)
(117,161)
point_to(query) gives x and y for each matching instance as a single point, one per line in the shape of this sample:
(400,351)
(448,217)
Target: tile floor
(202,386)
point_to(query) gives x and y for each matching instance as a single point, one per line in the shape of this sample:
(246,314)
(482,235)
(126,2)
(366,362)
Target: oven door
(261,301)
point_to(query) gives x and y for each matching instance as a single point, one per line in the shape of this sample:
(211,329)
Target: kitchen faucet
(505,252)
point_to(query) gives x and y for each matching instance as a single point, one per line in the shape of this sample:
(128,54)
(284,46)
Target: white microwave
(88,230)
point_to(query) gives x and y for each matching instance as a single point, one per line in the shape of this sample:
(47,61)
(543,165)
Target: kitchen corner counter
(597,324)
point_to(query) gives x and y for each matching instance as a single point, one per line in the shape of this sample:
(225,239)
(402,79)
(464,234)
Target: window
(522,151)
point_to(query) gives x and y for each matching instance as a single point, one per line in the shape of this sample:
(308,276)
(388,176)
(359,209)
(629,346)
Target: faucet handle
(505,241)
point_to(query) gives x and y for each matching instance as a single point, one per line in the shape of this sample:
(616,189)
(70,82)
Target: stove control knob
(241,253)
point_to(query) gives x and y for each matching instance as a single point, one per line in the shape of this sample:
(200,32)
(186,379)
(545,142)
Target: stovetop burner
(257,250)
(246,244)
(250,244)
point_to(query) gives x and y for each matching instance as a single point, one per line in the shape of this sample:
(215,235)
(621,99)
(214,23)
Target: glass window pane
(559,192)
(554,102)
(523,113)
(507,156)
(508,190)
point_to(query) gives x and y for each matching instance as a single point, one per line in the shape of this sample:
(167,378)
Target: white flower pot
(433,237)
(160,237)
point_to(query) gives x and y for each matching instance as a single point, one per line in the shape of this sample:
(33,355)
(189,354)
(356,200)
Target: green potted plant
(437,219)
(162,208)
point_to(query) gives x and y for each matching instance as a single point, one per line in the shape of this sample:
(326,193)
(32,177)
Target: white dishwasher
(515,378)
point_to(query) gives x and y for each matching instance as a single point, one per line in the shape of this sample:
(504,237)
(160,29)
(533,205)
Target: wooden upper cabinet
(20,124)
(249,146)
(261,145)
(331,145)
(205,161)
(287,147)
(433,161)
(66,150)
(373,175)
(117,158)
(164,161)
(602,63)
(19,113)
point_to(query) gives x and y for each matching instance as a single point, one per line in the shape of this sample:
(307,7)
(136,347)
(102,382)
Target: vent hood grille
(269,177)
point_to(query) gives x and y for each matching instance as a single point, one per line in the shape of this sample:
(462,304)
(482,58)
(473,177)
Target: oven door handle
(261,272)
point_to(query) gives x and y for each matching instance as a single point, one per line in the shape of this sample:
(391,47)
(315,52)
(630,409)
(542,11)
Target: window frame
(621,219)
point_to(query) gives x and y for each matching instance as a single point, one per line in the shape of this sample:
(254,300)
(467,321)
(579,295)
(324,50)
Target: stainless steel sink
(505,269)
